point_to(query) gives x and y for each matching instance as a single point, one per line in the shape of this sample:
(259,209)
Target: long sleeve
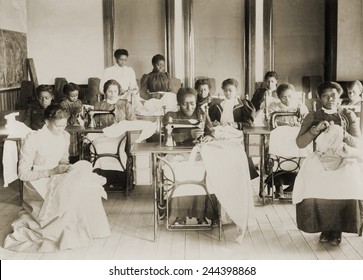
(353,134)
(305,136)
(244,114)
(26,162)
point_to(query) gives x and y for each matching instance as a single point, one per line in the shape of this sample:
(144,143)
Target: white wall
(350,40)
(13,15)
(65,39)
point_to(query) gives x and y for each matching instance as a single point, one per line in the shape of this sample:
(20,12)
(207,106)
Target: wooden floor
(131,221)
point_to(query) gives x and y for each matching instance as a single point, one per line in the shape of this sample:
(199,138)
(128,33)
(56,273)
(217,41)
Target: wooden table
(264,133)
(4,137)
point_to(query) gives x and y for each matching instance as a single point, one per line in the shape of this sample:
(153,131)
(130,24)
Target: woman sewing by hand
(62,203)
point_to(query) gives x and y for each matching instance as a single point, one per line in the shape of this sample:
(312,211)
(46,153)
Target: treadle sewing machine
(178,132)
(275,115)
(90,116)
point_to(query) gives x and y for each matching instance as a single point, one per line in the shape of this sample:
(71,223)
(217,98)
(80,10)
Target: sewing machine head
(92,113)
(178,132)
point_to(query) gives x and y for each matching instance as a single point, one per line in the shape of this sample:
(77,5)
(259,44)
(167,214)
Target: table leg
(262,167)
(155,183)
(247,143)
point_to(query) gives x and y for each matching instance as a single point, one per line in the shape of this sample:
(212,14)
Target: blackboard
(13,53)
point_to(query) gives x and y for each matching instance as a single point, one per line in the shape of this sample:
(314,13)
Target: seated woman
(62,203)
(34,114)
(160,99)
(233,112)
(329,201)
(203,87)
(122,110)
(355,91)
(187,101)
(158,63)
(73,106)
(269,86)
(288,103)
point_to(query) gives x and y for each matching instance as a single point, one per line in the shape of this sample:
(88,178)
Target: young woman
(234,112)
(34,114)
(62,203)
(328,201)
(288,103)
(122,109)
(158,63)
(198,206)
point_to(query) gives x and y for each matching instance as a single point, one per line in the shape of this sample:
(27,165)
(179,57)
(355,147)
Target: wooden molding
(108,30)
(331,33)
(268,36)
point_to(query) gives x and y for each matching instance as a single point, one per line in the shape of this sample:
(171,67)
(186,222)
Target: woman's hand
(197,133)
(60,169)
(321,126)
(233,124)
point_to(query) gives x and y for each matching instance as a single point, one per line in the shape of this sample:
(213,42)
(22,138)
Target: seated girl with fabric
(62,203)
(267,88)
(355,92)
(189,206)
(222,158)
(161,99)
(158,63)
(122,110)
(203,87)
(328,195)
(288,103)
(233,112)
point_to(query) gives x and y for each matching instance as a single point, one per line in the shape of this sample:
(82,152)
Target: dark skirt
(317,215)
(196,206)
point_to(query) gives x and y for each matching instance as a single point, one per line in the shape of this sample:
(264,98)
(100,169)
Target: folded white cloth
(283,143)
(148,129)
(16,129)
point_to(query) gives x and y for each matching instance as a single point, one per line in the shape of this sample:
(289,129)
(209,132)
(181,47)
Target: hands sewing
(321,126)
(198,135)
(60,169)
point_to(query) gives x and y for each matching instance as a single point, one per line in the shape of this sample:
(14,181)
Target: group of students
(45,172)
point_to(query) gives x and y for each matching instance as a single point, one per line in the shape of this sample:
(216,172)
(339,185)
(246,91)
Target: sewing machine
(91,116)
(184,128)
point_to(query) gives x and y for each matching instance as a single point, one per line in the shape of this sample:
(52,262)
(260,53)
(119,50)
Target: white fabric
(330,111)
(229,179)
(125,76)
(226,132)
(16,129)
(181,169)
(147,129)
(69,217)
(156,107)
(333,152)
(313,181)
(108,141)
(227,113)
(283,143)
